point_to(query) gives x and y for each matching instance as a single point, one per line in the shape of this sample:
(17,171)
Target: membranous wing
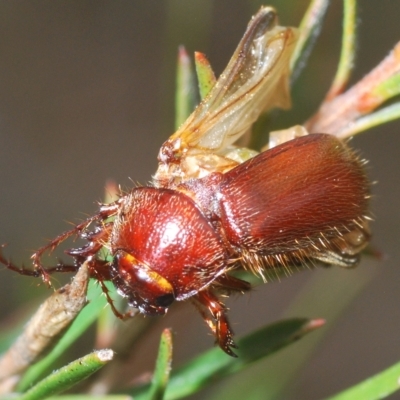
(255,80)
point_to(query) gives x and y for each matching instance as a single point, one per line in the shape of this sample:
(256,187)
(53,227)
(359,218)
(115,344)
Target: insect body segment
(164,233)
(206,214)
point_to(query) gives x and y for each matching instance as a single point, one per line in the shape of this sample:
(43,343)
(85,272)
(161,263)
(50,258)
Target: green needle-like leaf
(310,27)
(163,367)
(388,88)
(68,376)
(83,321)
(184,98)
(205,74)
(346,61)
(377,387)
(91,397)
(387,114)
(214,364)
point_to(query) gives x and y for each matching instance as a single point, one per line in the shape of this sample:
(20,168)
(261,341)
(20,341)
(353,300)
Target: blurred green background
(87,95)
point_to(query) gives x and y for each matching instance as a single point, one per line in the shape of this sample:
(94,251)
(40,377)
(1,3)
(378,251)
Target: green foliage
(213,365)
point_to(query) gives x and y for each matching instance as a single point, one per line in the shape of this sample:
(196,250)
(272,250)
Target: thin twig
(336,115)
(44,329)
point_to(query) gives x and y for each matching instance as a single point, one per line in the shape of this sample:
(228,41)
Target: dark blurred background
(87,95)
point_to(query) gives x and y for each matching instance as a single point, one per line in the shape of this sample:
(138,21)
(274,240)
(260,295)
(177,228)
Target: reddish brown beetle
(209,211)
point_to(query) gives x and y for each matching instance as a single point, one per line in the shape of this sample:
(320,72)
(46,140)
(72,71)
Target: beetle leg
(60,267)
(96,240)
(219,324)
(110,301)
(230,284)
(105,212)
(100,271)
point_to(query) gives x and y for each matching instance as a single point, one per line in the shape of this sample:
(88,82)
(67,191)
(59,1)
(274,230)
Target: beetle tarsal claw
(225,335)
(213,312)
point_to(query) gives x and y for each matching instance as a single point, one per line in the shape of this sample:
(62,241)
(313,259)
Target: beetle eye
(165,300)
(147,289)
